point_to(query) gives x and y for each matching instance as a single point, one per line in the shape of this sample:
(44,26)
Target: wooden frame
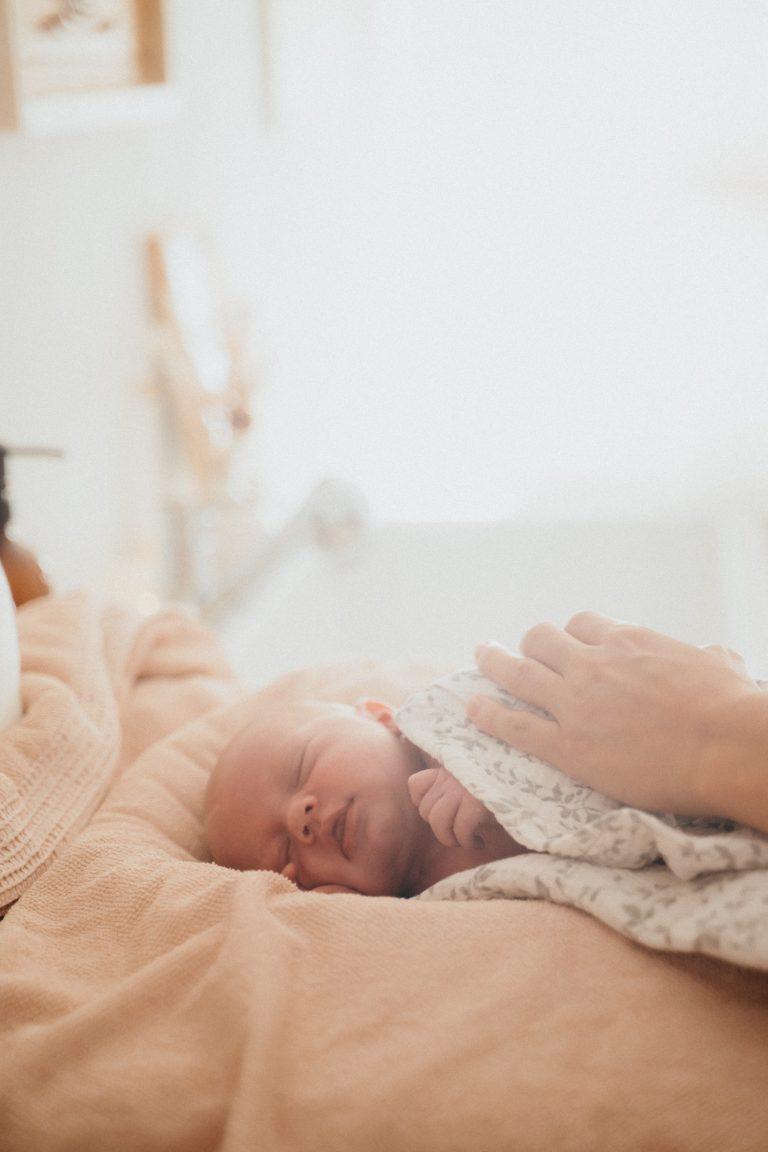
(204,386)
(55,74)
(201,339)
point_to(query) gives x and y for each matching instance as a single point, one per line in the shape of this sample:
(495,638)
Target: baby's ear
(378,711)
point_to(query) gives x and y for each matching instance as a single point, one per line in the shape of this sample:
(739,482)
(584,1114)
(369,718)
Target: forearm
(737,766)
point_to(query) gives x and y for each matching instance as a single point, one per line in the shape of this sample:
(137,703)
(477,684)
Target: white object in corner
(10,704)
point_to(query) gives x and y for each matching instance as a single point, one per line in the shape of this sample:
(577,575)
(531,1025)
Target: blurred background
(494,273)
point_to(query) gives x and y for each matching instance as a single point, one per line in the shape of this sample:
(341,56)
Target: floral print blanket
(672,883)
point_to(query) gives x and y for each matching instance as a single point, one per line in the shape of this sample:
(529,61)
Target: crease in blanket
(668,882)
(79,667)
(151,1001)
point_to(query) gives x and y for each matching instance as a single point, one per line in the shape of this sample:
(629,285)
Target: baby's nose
(303,820)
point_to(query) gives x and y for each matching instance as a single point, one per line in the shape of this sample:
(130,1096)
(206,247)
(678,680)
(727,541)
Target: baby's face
(323,799)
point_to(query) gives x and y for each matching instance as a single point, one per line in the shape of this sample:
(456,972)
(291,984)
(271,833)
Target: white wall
(74,346)
(435,591)
(508,258)
(517,261)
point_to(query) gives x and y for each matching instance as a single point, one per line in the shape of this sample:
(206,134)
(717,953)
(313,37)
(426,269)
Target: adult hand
(456,817)
(639,716)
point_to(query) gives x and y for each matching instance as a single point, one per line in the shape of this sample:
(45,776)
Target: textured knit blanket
(672,883)
(97,687)
(151,1001)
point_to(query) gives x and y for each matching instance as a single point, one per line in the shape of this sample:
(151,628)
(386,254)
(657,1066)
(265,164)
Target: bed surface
(152,1000)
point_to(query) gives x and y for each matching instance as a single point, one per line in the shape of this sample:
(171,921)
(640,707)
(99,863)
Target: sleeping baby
(342,799)
(336,799)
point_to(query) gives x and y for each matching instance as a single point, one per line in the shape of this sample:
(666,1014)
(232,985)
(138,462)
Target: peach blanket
(152,1000)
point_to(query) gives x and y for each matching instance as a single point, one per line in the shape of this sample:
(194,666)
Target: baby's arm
(457,818)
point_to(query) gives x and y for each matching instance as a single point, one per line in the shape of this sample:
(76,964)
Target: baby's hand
(456,817)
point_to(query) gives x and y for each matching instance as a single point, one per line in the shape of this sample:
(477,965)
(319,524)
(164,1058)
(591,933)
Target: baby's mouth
(339,829)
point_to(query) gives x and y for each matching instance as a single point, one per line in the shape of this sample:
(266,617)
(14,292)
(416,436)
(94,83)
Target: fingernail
(484,647)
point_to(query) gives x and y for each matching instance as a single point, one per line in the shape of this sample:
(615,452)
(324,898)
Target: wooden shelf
(69,72)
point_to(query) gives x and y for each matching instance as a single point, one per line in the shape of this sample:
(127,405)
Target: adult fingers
(590,627)
(551,646)
(525,679)
(727,655)
(521,729)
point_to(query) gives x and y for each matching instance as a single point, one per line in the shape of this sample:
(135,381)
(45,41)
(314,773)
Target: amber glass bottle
(25,576)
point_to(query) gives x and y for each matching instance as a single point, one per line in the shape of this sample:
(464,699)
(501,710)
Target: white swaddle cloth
(673,883)
(10,707)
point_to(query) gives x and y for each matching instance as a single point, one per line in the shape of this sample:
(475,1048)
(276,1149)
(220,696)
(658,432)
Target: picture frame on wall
(66,64)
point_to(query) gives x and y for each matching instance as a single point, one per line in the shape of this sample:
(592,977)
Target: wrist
(736,766)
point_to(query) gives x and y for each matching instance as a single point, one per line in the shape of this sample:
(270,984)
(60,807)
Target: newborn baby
(337,800)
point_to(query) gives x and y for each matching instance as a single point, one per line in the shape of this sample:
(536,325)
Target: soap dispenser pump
(25,576)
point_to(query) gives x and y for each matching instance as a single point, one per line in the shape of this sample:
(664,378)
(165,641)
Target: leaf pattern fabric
(669,882)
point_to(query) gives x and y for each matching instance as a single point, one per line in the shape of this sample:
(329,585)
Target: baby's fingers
(438,808)
(421,782)
(468,822)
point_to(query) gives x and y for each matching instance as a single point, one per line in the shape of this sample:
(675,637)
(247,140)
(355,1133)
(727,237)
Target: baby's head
(319,792)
